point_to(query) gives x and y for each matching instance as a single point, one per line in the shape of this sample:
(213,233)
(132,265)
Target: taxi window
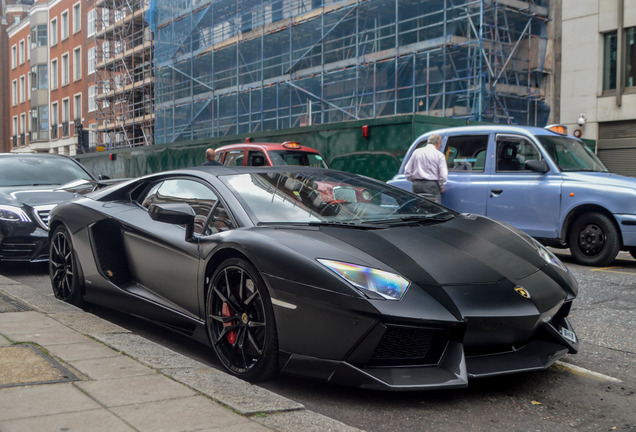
(513,152)
(466,153)
(234,158)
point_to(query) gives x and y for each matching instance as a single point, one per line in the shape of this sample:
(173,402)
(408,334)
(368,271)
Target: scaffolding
(124,74)
(227,67)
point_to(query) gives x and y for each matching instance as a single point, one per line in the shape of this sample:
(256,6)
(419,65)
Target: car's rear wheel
(240,321)
(63,268)
(594,240)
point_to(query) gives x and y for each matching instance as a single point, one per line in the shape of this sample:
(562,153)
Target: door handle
(495,192)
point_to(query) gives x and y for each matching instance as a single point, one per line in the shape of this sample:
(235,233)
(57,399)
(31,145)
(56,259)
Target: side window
(466,153)
(256,158)
(219,220)
(197,195)
(234,158)
(513,152)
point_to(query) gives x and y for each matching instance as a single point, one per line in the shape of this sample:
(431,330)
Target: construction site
(124,74)
(227,67)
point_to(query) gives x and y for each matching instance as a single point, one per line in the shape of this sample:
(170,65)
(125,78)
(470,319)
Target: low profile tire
(240,321)
(594,240)
(63,268)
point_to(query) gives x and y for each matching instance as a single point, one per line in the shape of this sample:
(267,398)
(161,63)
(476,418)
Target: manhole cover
(27,364)
(9,304)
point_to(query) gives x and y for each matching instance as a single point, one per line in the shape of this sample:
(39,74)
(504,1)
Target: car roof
(263,146)
(525,130)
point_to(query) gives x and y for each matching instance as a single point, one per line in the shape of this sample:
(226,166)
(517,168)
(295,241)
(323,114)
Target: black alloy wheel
(240,321)
(594,240)
(63,268)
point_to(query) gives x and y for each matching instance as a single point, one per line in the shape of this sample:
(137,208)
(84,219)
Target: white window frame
(91,60)
(91,26)
(92,98)
(77,63)
(66,110)
(21,52)
(14,56)
(14,92)
(55,114)
(53,31)
(55,76)
(77,106)
(64,68)
(64,25)
(77,17)
(22,89)
(105,50)
(28,46)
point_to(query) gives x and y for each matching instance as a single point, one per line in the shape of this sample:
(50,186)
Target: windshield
(34,170)
(302,158)
(328,197)
(571,155)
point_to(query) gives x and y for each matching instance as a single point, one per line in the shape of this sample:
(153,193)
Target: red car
(268,154)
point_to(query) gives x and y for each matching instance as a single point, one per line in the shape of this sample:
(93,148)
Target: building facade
(50,78)
(598,85)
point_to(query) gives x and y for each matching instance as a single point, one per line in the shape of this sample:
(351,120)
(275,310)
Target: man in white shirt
(427,169)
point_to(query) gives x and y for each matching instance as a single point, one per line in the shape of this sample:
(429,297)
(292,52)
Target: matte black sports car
(30,186)
(318,273)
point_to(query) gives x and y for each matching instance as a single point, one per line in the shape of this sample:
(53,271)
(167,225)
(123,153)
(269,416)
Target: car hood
(466,249)
(34,196)
(601,179)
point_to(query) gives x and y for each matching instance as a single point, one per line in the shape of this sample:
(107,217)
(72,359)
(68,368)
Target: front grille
(42,214)
(403,345)
(17,251)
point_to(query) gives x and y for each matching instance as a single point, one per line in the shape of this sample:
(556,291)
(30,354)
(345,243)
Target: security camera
(581,120)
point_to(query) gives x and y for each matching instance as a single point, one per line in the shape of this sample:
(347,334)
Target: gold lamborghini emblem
(522,292)
(244,318)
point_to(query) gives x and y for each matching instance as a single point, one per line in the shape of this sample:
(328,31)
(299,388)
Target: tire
(64,268)
(594,240)
(240,321)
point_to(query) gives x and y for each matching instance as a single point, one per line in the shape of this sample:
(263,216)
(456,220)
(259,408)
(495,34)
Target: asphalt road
(600,397)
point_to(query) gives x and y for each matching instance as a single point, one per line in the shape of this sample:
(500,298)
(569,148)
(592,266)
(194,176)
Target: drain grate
(28,365)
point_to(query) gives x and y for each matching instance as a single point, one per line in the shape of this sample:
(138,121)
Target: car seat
(508,158)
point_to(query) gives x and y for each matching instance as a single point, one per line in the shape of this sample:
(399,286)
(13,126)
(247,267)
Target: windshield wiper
(416,219)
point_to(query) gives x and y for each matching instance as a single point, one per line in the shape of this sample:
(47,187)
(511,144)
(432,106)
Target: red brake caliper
(227,312)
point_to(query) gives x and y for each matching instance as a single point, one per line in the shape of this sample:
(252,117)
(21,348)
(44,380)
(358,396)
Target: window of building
(14,56)
(92,22)
(15,132)
(22,129)
(92,99)
(630,57)
(55,115)
(106,17)
(106,49)
(54,74)
(29,86)
(22,89)
(91,60)
(65,70)
(54,31)
(14,92)
(77,18)
(77,107)
(64,25)
(77,64)
(28,45)
(610,59)
(40,122)
(43,76)
(21,52)
(39,36)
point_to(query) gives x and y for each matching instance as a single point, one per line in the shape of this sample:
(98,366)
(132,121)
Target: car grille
(402,345)
(42,215)
(18,251)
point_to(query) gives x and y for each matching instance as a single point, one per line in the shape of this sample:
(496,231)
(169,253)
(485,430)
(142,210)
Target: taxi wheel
(594,240)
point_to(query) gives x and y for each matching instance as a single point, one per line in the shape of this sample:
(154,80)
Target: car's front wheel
(63,268)
(594,239)
(240,321)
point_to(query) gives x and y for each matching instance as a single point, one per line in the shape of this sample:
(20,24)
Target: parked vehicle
(546,183)
(30,186)
(269,154)
(392,293)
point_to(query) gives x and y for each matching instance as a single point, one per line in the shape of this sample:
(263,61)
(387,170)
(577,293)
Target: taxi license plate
(568,334)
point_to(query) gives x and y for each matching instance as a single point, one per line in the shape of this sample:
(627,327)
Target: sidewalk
(65,369)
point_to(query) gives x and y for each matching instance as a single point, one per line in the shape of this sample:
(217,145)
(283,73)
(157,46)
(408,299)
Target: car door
(525,199)
(468,173)
(161,261)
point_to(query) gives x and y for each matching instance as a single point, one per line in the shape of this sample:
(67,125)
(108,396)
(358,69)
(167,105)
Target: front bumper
(23,242)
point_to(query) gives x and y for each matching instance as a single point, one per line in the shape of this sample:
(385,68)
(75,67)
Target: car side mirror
(537,166)
(103,177)
(176,214)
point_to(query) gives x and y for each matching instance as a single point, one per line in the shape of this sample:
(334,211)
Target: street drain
(28,365)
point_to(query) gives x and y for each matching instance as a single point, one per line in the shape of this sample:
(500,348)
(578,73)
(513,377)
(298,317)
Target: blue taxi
(541,181)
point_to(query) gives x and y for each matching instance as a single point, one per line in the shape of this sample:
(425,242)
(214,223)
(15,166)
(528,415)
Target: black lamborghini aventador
(317,273)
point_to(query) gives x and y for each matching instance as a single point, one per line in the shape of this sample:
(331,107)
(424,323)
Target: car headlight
(549,257)
(13,214)
(388,285)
